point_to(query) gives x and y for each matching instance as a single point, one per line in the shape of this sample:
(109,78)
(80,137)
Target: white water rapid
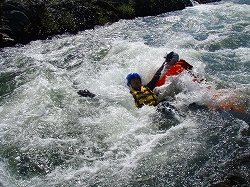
(49,136)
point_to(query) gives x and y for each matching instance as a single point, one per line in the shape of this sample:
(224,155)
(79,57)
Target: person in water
(144,94)
(151,93)
(155,90)
(147,94)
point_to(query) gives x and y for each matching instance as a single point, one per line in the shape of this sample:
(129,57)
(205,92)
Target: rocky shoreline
(25,20)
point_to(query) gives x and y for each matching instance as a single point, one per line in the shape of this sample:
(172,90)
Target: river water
(52,137)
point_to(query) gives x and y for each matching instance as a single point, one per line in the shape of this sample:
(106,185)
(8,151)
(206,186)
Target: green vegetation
(49,22)
(127,11)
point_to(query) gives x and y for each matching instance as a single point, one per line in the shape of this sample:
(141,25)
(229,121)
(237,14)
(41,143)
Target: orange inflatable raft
(175,69)
(225,99)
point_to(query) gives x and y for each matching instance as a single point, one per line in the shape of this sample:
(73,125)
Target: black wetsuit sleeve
(151,85)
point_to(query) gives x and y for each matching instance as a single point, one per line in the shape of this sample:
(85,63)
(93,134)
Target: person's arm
(151,85)
(170,59)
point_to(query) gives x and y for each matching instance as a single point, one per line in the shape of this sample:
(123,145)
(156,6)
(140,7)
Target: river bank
(23,20)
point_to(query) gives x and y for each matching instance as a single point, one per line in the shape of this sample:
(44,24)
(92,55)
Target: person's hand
(86,93)
(171,58)
(168,56)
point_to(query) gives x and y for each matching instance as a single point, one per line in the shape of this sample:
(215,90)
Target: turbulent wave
(52,137)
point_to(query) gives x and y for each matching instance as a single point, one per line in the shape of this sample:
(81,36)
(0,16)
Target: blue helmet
(132,76)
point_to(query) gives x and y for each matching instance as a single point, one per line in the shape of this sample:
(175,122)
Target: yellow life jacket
(144,97)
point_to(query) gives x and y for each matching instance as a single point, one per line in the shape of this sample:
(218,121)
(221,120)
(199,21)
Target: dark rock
(19,23)
(145,8)
(5,40)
